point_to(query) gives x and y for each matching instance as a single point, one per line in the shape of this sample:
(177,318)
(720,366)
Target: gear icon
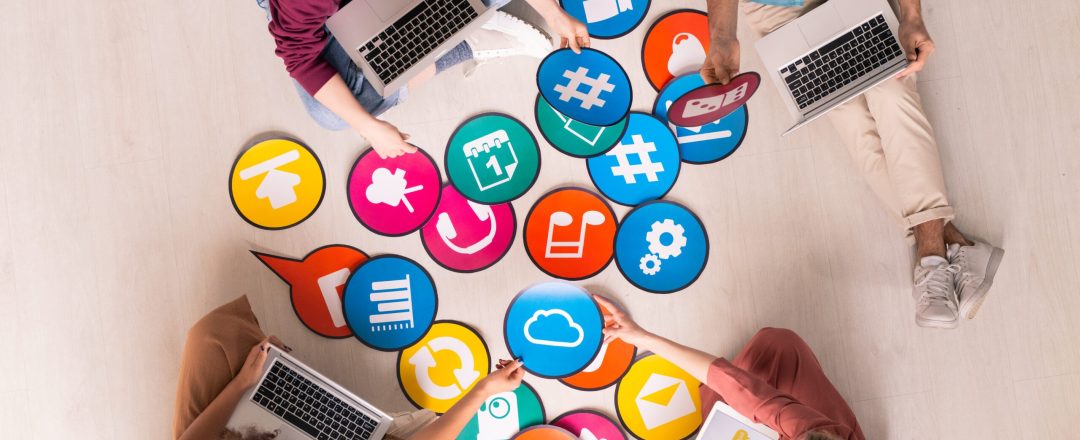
(649,264)
(672,249)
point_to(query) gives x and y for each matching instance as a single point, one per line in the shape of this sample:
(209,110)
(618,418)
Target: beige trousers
(886,132)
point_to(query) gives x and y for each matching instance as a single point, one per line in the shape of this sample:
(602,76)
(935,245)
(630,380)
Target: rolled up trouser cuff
(918,218)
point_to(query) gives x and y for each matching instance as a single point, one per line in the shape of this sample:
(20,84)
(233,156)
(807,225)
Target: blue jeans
(365,94)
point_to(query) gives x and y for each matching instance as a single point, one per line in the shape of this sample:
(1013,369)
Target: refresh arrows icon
(424,361)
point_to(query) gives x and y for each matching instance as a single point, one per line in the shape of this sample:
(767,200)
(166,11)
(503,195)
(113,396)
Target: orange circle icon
(570,233)
(675,45)
(610,365)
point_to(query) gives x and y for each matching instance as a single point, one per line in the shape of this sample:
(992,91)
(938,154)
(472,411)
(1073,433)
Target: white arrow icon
(424,361)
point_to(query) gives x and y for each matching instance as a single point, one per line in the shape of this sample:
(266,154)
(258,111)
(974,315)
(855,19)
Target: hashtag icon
(596,86)
(645,164)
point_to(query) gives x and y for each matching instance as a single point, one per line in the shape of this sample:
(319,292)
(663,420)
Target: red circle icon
(675,44)
(611,363)
(570,233)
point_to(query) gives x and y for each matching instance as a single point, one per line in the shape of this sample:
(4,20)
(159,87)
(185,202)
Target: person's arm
(914,38)
(449,425)
(211,422)
(573,33)
(722,61)
(750,396)
(383,136)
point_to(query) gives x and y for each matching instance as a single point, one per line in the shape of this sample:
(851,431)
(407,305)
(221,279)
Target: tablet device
(724,423)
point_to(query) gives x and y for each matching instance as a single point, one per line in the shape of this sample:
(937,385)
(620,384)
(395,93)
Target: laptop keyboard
(415,35)
(310,408)
(840,62)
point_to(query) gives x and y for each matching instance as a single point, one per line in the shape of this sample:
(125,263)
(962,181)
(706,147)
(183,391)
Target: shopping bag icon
(492,159)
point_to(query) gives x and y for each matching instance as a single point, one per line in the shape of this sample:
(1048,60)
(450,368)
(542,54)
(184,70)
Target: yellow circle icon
(658,400)
(276,184)
(447,362)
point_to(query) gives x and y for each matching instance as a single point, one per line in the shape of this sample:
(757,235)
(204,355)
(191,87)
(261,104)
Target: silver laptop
(394,40)
(832,54)
(724,423)
(300,403)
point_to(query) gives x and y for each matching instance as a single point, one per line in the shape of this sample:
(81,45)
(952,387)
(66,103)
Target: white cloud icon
(570,325)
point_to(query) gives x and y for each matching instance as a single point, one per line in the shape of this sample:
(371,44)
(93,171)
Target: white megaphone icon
(600,10)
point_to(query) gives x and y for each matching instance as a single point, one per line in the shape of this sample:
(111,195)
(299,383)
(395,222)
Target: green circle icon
(503,415)
(492,158)
(575,138)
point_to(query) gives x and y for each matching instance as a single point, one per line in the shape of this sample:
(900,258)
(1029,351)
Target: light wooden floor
(121,120)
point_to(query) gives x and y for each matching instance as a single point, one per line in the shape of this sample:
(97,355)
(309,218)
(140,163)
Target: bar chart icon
(393,301)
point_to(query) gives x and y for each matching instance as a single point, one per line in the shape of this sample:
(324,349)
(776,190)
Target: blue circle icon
(555,328)
(389,302)
(707,143)
(590,87)
(661,247)
(608,18)
(643,166)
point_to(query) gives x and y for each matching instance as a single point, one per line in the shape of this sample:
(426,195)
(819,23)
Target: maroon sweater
(298,27)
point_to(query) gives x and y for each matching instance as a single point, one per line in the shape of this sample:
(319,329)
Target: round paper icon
(610,364)
(554,327)
(316,284)
(503,415)
(590,87)
(643,166)
(390,302)
(589,425)
(393,196)
(707,143)
(657,400)
(544,432)
(492,158)
(676,44)
(661,247)
(607,19)
(277,184)
(570,233)
(465,236)
(710,103)
(572,137)
(438,370)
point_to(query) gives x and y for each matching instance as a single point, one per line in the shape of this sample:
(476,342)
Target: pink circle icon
(599,425)
(465,236)
(394,196)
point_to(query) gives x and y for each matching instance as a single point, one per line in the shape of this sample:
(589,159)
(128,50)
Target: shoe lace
(938,284)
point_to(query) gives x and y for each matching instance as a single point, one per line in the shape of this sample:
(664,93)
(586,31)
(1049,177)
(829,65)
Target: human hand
(618,325)
(387,140)
(573,33)
(722,61)
(917,45)
(251,372)
(507,377)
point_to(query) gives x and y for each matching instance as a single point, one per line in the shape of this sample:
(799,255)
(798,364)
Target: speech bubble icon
(317,283)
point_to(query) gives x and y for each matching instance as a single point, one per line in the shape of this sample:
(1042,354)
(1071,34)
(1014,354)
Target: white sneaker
(505,35)
(978,264)
(935,293)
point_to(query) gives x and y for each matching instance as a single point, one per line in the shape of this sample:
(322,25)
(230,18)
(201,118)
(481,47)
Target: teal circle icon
(504,414)
(492,158)
(573,137)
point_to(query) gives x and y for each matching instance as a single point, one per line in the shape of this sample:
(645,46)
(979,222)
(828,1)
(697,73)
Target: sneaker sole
(972,307)
(927,323)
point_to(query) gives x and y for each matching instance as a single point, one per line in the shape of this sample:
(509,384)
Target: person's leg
(781,358)
(408,423)
(767,18)
(214,352)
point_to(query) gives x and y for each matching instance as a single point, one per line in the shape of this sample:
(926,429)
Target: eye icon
(500,408)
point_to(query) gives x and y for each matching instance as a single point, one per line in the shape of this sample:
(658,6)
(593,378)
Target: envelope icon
(663,399)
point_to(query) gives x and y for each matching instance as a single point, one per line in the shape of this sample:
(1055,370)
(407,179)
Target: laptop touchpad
(824,24)
(388,9)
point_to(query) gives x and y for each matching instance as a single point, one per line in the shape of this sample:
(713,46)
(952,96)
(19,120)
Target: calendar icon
(492,159)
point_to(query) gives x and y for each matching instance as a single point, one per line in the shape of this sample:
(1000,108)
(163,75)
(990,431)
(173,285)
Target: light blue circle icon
(555,328)
(590,87)
(642,166)
(661,247)
(707,143)
(389,301)
(608,18)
